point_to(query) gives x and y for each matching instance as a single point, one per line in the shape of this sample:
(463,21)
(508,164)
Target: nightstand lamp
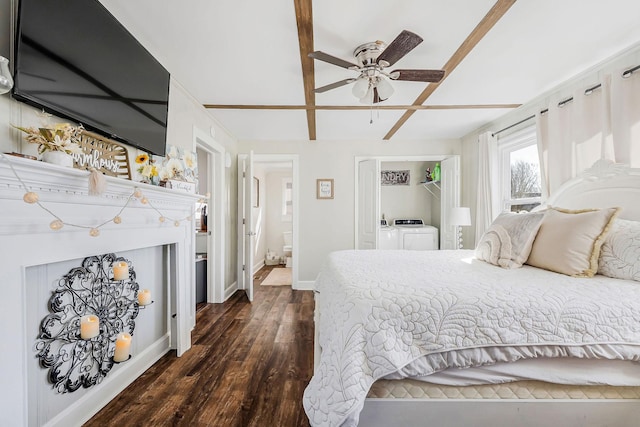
(460,217)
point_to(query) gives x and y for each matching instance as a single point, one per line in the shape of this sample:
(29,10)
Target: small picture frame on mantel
(324,188)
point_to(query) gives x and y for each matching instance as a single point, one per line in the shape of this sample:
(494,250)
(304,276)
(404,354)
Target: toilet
(287,248)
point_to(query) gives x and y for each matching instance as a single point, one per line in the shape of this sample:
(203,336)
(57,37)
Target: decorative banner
(395,177)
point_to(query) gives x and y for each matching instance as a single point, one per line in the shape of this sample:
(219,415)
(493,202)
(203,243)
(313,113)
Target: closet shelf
(429,184)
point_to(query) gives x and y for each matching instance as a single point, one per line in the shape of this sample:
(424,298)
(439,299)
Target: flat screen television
(73,59)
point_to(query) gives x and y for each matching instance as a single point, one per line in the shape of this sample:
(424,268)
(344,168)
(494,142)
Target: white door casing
(216,210)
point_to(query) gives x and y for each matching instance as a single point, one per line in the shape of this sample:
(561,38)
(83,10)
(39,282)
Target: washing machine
(415,235)
(388,237)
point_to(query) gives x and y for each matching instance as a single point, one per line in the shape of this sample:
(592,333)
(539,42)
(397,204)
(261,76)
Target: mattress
(525,379)
(414,389)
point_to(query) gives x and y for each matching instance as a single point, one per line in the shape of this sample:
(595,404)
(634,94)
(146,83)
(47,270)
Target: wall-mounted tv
(75,60)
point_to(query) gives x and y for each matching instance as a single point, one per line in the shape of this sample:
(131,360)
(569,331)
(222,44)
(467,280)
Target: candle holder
(88,290)
(142,307)
(124,361)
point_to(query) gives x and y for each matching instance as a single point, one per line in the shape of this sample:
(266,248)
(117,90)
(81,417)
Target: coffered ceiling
(246,60)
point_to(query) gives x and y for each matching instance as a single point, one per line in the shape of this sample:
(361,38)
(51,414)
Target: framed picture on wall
(324,188)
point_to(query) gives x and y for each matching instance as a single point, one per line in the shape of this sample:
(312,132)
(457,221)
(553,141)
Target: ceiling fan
(372,84)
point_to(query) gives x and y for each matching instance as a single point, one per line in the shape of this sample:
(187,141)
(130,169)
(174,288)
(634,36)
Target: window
(520,171)
(287,199)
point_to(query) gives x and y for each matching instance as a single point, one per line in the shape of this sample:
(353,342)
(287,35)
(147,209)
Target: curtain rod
(589,91)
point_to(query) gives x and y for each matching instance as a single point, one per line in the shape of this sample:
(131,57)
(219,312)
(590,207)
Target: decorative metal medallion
(87,290)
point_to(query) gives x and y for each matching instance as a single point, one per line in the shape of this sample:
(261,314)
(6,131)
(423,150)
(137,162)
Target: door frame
(295,178)
(408,158)
(216,209)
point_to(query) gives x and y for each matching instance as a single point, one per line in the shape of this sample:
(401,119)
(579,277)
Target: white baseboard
(304,285)
(117,380)
(228,292)
(258,265)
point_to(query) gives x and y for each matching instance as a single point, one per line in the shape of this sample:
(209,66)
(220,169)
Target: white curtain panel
(572,137)
(487,202)
(625,114)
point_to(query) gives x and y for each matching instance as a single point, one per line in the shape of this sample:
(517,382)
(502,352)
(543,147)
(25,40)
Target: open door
(449,198)
(246,234)
(368,203)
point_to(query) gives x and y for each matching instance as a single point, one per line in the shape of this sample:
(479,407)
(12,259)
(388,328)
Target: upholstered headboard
(602,186)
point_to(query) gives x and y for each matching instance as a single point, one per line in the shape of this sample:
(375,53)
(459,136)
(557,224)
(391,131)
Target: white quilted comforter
(382,310)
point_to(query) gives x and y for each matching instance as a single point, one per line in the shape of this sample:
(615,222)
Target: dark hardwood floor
(248,366)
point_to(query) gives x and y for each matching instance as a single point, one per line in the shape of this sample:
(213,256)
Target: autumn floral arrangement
(58,137)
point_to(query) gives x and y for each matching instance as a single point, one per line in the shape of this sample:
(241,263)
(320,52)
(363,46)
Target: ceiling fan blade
(321,56)
(431,76)
(403,44)
(334,85)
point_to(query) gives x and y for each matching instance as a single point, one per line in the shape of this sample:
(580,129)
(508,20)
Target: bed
(459,341)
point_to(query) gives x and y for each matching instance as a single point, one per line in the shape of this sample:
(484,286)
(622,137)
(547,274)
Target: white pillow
(569,241)
(507,242)
(620,252)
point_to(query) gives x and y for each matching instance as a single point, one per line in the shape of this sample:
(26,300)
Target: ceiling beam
(304,20)
(490,19)
(359,107)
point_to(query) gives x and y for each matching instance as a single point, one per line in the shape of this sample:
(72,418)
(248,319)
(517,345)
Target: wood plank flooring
(248,366)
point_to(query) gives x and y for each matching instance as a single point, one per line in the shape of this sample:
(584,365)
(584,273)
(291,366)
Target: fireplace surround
(28,243)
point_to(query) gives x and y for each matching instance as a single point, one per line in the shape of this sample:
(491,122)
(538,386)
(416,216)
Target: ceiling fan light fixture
(360,87)
(367,99)
(385,89)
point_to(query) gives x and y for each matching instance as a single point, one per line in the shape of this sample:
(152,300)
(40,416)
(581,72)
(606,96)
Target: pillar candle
(89,326)
(123,344)
(121,271)
(144,297)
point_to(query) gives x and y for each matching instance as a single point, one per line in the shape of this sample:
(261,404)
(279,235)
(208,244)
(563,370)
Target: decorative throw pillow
(569,242)
(507,242)
(620,252)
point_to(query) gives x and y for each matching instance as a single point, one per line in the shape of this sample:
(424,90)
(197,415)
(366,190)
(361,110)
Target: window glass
(520,171)
(525,177)
(287,199)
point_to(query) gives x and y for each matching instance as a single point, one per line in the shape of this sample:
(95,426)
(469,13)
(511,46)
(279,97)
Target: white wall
(586,79)
(407,201)
(328,225)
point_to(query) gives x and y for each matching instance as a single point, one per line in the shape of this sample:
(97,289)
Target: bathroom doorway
(274,220)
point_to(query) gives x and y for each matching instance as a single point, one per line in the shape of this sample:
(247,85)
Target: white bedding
(381,310)
(568,371)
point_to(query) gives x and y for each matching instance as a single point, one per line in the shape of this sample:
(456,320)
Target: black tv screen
(75,60)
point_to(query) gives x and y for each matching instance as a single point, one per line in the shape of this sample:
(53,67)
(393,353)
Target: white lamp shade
(385,90)
(368,97)
(360,87)
(460,216)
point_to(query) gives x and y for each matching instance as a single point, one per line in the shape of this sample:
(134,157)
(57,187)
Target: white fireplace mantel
(27,240)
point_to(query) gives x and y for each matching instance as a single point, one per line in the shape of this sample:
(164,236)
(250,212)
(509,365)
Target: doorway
(210,243)
(442,196)
(269,219)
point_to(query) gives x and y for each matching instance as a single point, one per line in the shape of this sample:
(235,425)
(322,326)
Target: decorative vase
(6,82)
(58,158)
